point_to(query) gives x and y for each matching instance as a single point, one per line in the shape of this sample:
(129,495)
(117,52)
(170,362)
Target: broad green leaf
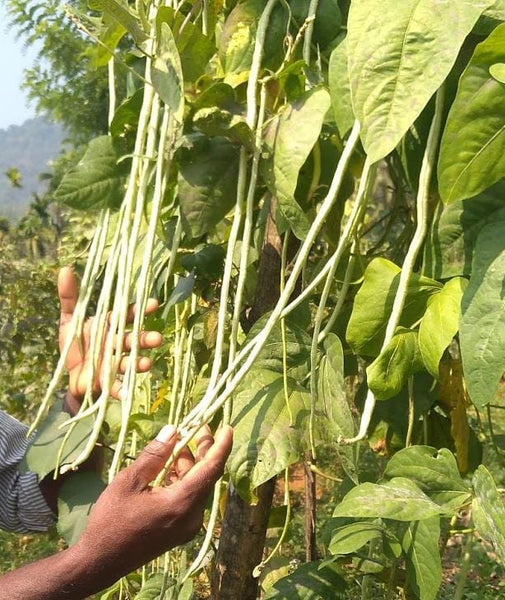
(75,501)
(440,323)
(350,538)
(97,181)
(297,131)
(298,344)
(398,499)
(482,328)
(472,151)
(154,586)
(399,55)
(434,471)
(496,10)
(422,555)
(166,73)
(181,292)
(126,117)
(340,90)
(207,181)
(265,440)
(42,454)
(218,121)
(451,244)
(195,48)
(374,301)
(488,512)
(399,360)
(110,38)
(332,400)
(311,581)
(121,14)
(147,426)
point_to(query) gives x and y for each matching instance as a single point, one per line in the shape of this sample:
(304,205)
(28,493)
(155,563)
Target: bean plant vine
(313,191)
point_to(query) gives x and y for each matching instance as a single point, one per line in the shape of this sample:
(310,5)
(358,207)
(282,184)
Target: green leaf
(208,170)
(121,14)
(298,129)
(340,88)
(398,499)
(399,55)
(332,398)
(497,71)
(311,581)
(422,555)
(42,454)
(350,538)
(434,471)
(451,245)
(328,20)
(374,301)
(298,344)
(166,73)
(488,512)
(75,501)
(496,10)
(154,586)
(399,360)
(97,181)
(126,117)
(265,440)
(482,328)
(472,151)
(440,323)
(181,292)
(217,121)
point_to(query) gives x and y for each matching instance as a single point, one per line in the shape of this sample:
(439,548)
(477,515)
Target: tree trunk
(244,527)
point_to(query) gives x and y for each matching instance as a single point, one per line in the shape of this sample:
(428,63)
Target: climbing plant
(314,192)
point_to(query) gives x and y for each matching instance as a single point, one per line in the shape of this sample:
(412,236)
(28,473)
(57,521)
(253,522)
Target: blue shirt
(22,506)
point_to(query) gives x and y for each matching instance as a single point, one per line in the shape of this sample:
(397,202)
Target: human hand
(132,522)
(77,360)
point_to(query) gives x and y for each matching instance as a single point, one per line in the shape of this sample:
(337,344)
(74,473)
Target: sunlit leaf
(440,323)
(399,55)
(488,512)
(340,90)
(166,74)
(311,581)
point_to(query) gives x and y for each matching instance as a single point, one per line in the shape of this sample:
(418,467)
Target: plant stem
(465,567)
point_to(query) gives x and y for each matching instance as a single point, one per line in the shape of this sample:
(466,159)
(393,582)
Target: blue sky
(13,60)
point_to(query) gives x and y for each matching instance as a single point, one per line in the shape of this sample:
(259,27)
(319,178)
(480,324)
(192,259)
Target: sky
(14,58)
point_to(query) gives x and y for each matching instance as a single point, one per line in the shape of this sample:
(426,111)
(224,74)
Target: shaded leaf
(207,181)
(482,328)
(42,454)
(350,538)
(97,181)
(311,581)
(472,151)
(374,301)
(399,360)
(399,55)
(451,244)
(181,292)
(75,501)
(265,439)
(340,88)
(440,323)
(122,15)
(422,555)
(488,512)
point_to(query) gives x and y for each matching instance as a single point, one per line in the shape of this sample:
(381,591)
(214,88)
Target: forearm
(68,575)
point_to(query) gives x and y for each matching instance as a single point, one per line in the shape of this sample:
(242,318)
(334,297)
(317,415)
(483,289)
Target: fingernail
(166,434)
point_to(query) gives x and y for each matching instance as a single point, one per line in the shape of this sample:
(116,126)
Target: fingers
(68,293)
(151,460)
(143,364)
(151,306)
(204,440)
(199,480)
(147,340)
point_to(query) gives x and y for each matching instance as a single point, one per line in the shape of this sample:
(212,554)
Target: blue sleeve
(22,506)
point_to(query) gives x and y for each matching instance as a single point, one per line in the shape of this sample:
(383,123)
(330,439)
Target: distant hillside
(28,147)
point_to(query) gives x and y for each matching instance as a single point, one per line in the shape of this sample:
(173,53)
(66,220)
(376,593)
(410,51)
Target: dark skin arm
(130,524)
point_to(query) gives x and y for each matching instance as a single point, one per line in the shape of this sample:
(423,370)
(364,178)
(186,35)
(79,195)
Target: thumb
(152,459)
